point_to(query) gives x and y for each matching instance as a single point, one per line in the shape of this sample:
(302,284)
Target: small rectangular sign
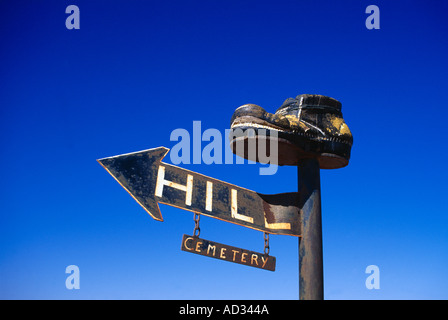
(228,253)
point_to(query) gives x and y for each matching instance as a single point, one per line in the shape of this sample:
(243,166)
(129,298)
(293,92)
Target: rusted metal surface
(224,252)
(150,181)
(311,286)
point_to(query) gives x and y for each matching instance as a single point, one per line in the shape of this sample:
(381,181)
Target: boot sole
(292,147)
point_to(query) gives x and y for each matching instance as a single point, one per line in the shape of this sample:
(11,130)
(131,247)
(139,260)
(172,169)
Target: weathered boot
(309,126)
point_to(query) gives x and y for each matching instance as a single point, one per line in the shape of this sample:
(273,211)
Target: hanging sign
(224,252)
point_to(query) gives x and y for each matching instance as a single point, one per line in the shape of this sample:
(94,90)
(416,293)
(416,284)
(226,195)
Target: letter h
(161,182)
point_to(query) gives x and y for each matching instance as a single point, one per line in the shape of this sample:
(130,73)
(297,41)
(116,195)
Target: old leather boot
(309,126)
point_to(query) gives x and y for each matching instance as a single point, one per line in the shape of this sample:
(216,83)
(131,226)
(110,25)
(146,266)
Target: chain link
(266,243)
(196,225)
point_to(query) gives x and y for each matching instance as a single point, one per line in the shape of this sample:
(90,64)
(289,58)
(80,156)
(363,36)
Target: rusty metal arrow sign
(150,181)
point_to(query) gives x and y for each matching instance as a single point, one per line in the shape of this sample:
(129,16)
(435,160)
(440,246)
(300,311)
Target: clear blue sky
(137,70)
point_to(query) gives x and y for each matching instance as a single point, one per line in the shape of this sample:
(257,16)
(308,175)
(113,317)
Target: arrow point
(137,173)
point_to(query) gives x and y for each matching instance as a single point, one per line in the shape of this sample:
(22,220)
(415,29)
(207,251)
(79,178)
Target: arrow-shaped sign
(150,181)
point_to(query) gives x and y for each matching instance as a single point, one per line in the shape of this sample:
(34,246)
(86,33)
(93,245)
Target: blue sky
(137,70)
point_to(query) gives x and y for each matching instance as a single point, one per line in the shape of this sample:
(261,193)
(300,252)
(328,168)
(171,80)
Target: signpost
(308,132)
(150,181)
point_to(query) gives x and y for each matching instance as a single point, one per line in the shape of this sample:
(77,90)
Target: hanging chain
(266,243)
(196,225)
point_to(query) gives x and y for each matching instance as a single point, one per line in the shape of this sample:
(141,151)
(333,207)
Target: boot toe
(248,110)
